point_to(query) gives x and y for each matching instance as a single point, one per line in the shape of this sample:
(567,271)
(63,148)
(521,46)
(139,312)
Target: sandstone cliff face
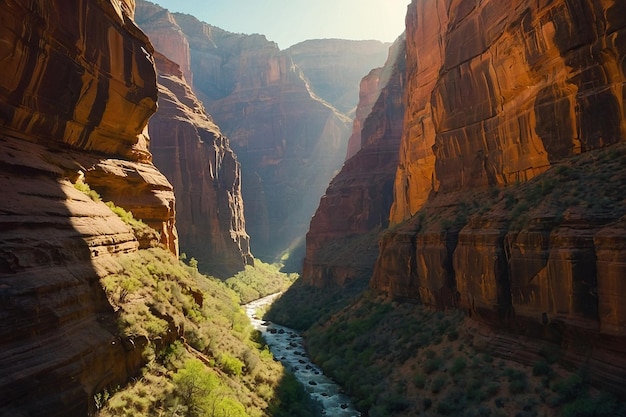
(334,67)
(77,85)
(487,83)
(495,212)
(166,36)
(190,150)
(289,142)
(358,199)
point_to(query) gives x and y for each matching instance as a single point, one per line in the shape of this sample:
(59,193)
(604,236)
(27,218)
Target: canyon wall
(191,151)
(507,199)
(341,242)
(334,67)
(289,142)
(77,86)
(165,34)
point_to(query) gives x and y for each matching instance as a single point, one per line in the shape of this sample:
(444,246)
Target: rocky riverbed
(287,346)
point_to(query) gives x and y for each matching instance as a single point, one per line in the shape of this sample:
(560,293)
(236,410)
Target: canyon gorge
(475,167)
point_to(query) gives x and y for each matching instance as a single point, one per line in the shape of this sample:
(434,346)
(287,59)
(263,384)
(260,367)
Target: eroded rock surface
(77,86)
(191,151)
(358,199)
(289,142)
(499,91)
(507,196)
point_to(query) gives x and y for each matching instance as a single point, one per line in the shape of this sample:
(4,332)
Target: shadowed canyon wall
(358,199)
(507,198)
(77,86)
(191,151)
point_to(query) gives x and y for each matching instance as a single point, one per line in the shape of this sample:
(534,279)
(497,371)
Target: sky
(288,22)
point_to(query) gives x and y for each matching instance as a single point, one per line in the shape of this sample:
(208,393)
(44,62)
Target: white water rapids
(287,346)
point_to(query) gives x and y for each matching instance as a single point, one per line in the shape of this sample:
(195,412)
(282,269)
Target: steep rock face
(191,151)
(334,67)
(288,141)
(487,83)
(77,85)
(165,34)
(509,94)
(369,90)
(358,199)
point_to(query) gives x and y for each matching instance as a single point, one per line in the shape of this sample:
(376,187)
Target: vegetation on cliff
(403,359)
(399,358)
(201,355)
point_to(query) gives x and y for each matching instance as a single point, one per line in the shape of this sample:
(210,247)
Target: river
(287,346)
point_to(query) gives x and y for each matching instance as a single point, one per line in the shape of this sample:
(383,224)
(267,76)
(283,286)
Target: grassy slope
(202,355)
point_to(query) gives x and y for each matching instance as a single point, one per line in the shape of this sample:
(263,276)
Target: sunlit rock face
(498,92)
(289,142)
(358,199)
(514,129)
(191,151)
(165,34)
(334,67)
(77,86)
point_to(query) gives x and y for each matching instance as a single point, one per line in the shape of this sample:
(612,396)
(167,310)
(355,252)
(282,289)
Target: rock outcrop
(334,67)
(357,202)
(166,36)
(289,142)
(507,195)
(488,82)
(77,86)
(190,150)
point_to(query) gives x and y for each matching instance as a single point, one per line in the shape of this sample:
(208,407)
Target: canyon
(284,113)
(506,199)
(481,174)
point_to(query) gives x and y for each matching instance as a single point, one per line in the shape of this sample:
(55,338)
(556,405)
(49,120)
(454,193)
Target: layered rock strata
(358,199)
(191,151)
(494,210)
(289,142)
(166,36)
(77,86)
(499,91)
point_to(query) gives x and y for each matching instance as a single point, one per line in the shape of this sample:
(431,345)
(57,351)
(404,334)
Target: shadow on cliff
(57,330)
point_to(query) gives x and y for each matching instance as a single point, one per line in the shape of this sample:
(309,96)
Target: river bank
(287,346)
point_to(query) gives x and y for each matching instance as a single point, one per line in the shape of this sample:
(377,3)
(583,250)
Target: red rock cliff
(358,199)
(288,141)
(77,86)
(487,83)
(165,34)
(191,151)
(507,195)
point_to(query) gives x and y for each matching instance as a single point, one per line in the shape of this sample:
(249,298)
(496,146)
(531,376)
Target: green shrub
(84,188)
(432,364)
(518,386)
(542,368)
(194,383)
(569,388)
(458,365)
(438,383)
(230,364)
(419,381)
(492,388)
